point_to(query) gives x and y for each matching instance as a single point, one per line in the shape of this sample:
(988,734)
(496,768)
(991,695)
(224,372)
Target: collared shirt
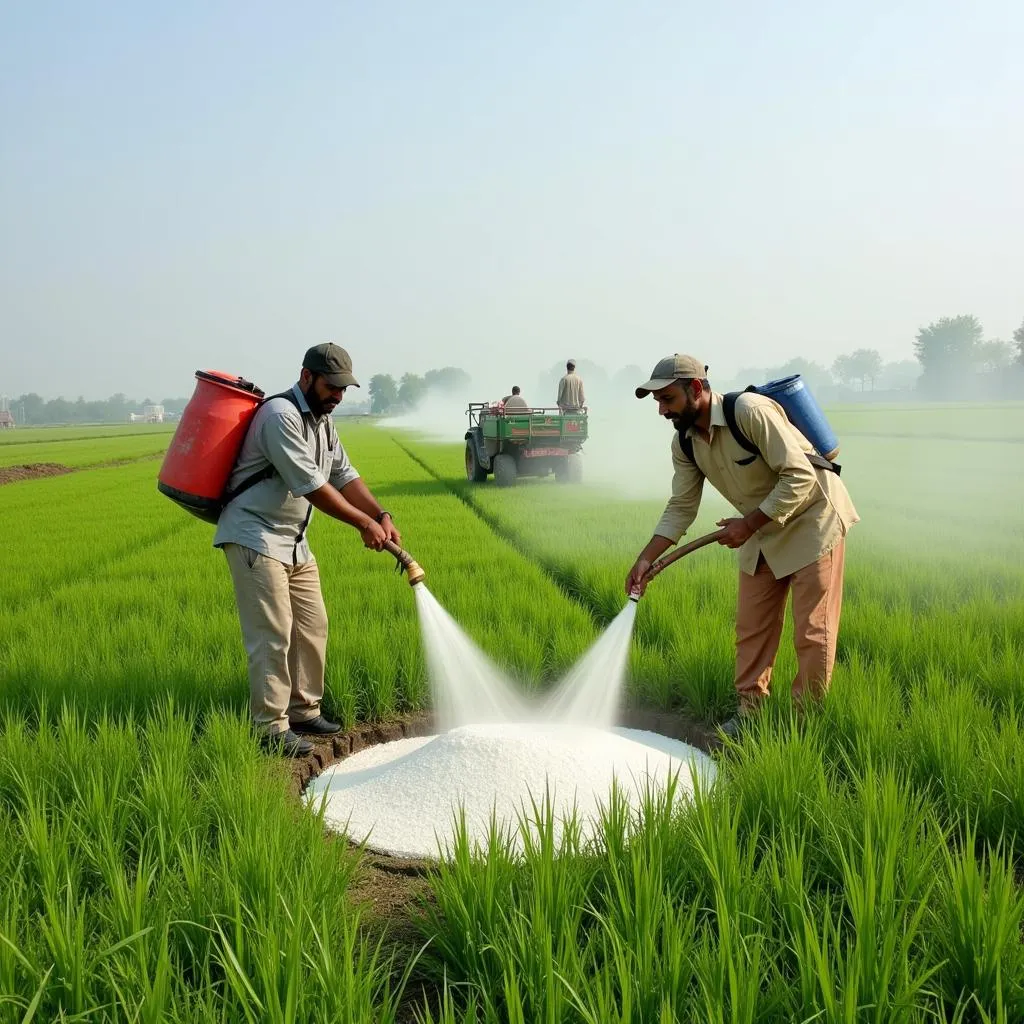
(570,392)
(516,402)
(810,508)
(272,517)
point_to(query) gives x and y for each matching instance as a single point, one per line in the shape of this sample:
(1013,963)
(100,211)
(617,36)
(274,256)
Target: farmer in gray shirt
(290,463)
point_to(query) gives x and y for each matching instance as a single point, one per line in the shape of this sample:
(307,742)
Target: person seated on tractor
(570,390)
(515,400)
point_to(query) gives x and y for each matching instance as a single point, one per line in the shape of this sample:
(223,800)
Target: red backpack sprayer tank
(207,441)
(205,447)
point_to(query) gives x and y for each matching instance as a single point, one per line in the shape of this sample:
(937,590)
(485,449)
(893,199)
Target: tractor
(511,443)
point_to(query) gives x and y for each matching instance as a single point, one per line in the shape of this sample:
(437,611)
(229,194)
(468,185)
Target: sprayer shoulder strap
(687,446)
(269,470)
(729,408)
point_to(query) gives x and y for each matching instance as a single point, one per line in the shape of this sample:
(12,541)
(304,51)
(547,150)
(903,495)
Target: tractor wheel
(505,470)
(475,473)
(574,469)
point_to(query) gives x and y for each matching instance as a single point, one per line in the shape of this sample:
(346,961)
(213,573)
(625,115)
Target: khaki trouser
(284,628)
(817,602)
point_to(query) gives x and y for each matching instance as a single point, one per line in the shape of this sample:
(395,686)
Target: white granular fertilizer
(402,796)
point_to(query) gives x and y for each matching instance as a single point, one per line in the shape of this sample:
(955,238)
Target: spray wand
(406,563)
(660,564)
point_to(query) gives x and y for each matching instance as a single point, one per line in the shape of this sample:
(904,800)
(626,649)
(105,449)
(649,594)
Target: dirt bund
(32,471)
(38,470)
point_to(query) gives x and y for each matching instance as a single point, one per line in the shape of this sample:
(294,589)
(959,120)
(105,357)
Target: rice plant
(857,862)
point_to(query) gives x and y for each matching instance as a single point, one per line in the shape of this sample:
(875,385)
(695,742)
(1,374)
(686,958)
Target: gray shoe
(287,744)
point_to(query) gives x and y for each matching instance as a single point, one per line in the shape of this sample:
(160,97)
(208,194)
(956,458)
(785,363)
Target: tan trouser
(817,602)
(284,628)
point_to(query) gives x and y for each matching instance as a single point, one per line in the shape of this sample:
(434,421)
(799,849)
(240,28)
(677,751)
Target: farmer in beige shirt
(570,390)
(790,533)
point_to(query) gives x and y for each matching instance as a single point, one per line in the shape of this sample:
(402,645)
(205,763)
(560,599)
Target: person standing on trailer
(791,532)
(570,390)
(291,462)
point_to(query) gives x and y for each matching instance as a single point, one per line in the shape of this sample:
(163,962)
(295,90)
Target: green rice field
(860,863)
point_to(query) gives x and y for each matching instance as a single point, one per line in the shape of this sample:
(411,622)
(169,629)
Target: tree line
(952,358)
(388,395)
(384,395)
(33,410)
(953,349)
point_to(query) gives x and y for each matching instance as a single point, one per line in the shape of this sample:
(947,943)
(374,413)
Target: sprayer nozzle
(406,563)
(634,596)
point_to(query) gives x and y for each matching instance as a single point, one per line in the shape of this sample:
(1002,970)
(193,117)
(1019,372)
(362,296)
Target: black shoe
(318,726)
(286,743)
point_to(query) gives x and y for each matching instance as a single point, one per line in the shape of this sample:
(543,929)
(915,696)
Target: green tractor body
(523,442)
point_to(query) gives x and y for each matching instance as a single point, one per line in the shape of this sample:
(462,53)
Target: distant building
(149,414)
(6,420)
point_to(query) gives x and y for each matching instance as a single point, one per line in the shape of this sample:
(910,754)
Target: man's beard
(317,405)
(682,421)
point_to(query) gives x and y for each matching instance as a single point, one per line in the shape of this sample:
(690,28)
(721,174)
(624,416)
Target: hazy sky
(221,185)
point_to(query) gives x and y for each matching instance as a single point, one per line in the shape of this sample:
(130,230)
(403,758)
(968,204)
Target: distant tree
(865,364)
(843,369)
(947,351)
(994,355)
(411,389)
(383,393)
(1018,337)
(89,412)
(949,342)
(33,408)
(448,378)
(59,410)
(900,376)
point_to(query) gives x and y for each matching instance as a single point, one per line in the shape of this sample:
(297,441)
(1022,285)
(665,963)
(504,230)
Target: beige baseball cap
(672,368)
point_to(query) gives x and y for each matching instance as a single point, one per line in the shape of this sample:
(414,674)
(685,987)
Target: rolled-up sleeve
(283,443)
(779,445)
(682,507)
(342,470)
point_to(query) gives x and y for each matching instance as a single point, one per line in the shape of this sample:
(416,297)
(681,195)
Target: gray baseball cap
(333,363)
(672,368)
